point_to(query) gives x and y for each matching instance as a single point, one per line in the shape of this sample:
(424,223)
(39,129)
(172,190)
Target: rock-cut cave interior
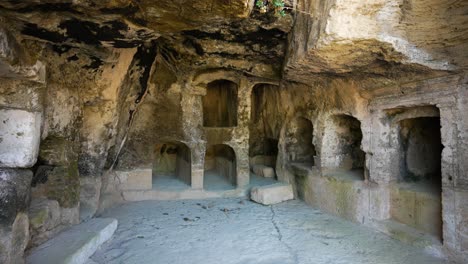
(233,131)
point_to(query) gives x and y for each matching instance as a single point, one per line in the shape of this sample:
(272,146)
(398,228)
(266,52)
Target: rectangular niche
(265,126)
(220,104)
(220,168)
(416,198)
(299,146)
(172,161)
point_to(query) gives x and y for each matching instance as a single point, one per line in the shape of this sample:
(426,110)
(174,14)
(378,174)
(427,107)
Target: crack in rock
(280,236)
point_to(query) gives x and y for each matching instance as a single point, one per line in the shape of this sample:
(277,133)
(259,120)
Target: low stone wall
(138,179)
(344,196)
(420,209)
(351,198)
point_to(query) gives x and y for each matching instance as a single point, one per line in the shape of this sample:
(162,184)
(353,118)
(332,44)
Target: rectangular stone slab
(75,245)
(138,179)
(20,134)
(272,194)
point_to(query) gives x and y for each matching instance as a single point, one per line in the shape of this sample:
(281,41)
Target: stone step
(272,194)
(190,194)
(75,245)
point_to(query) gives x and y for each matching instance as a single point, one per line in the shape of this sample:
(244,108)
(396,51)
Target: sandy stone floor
(239,231)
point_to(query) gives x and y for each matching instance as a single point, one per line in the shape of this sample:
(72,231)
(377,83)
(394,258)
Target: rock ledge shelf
(75,245)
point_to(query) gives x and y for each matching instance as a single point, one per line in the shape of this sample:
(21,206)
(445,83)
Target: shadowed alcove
(265,127)
(220,168)
(220,104)
(416,200)
(299,147)
(300,150)
(172,166)
(342,146)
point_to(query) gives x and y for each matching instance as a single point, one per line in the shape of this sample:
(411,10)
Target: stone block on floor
(272,194)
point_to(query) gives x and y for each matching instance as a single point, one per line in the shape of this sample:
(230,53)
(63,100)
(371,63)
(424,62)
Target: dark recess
(145,57)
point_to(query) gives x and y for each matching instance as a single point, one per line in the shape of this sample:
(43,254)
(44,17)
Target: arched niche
(416,200)
(341,146)
(299,147)
(220,168)
(220,104)
(421,150)
(172,161)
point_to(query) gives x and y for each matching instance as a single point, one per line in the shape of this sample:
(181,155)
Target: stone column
(192,120)
(383,159)
(454,182)
(241,133)
(198,154)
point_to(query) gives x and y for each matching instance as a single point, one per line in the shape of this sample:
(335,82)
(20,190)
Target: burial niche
(220,168)
(299,146)
(300,150)
(421,147)
(220,104)
(264,128)
(266,105)
(420,175)
(172,165)
(342,145)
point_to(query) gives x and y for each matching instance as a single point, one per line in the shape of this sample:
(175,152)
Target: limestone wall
(84,101)
(21,94)
(379,195)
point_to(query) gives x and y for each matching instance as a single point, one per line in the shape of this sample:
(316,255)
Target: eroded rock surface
(325,96)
